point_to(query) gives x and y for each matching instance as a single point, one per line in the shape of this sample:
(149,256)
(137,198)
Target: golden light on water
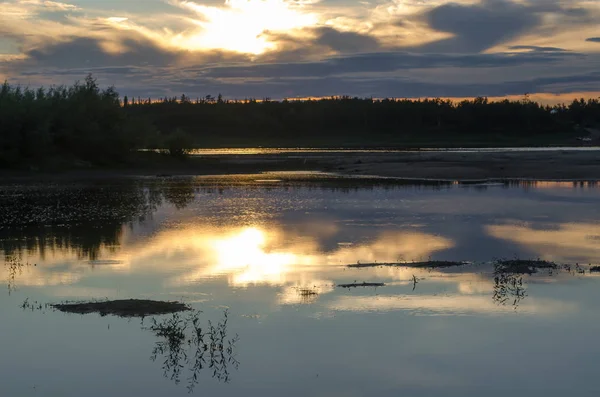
(244,256)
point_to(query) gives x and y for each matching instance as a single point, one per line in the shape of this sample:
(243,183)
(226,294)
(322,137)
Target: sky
(307,48)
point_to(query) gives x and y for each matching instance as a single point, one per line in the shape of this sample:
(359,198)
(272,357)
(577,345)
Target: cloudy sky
(301,48)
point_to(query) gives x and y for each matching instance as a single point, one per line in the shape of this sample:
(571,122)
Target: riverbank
(550,164)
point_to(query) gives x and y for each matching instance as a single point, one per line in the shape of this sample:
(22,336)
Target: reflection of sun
(244,255)
(241,24)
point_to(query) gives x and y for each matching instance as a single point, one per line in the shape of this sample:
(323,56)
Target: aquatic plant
(509,288)
(184,343)
(14,265)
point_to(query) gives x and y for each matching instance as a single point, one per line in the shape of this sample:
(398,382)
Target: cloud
(478,27)
(381,62)
(536,48)
(593,39)
(348,42)
(493,47)
(54,5)
(82,52)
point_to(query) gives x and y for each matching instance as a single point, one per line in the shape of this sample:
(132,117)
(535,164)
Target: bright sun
(241,24)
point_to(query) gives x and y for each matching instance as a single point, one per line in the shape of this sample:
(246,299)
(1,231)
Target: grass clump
(523,266)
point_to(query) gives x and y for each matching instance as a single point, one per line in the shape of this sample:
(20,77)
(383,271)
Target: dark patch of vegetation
(422,264)
(184,343)
(595,269)
(78,126)
(363,284)
(523,266)
(123,308)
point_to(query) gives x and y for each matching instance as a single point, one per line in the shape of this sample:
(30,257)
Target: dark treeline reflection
(82,218)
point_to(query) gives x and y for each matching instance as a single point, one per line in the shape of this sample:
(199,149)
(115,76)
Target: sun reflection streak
(243,256)
(257,256)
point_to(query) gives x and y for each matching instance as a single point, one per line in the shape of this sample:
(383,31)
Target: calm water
(322,152)
(268,252)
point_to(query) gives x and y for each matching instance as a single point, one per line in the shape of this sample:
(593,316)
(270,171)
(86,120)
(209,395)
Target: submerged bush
(179,143)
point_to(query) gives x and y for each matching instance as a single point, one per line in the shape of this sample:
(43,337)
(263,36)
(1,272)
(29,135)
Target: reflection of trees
(509,278)
(183,343)
(83,219)
(14,266)
(508,289)
(180,193)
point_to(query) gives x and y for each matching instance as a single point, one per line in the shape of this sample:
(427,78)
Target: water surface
(268,251)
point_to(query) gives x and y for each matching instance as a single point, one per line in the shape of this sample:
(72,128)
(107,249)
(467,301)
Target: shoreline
(456,165)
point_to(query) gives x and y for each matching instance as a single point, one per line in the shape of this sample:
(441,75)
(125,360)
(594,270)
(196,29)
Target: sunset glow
(242,25)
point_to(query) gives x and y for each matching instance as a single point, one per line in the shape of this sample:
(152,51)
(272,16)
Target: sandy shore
(556,164)
(560,164)
(547,165)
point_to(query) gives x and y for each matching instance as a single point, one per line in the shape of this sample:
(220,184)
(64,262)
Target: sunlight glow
(244,255)
(241,25)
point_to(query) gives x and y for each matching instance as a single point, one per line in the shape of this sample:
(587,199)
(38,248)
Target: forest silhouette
(84,123)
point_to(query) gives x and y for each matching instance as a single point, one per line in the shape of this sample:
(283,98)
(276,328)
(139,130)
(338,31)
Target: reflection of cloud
(252,256)
(564,243)
(442,304)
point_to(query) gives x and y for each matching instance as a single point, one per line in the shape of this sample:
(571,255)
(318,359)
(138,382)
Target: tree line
(85,123)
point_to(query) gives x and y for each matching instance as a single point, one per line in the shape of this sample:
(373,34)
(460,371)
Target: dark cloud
(88,52)
(536,48)
(382,62)
(593,39)
(314,42)
(347,42)
(173,81)
(378,87)
(478,27)
(481,26)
